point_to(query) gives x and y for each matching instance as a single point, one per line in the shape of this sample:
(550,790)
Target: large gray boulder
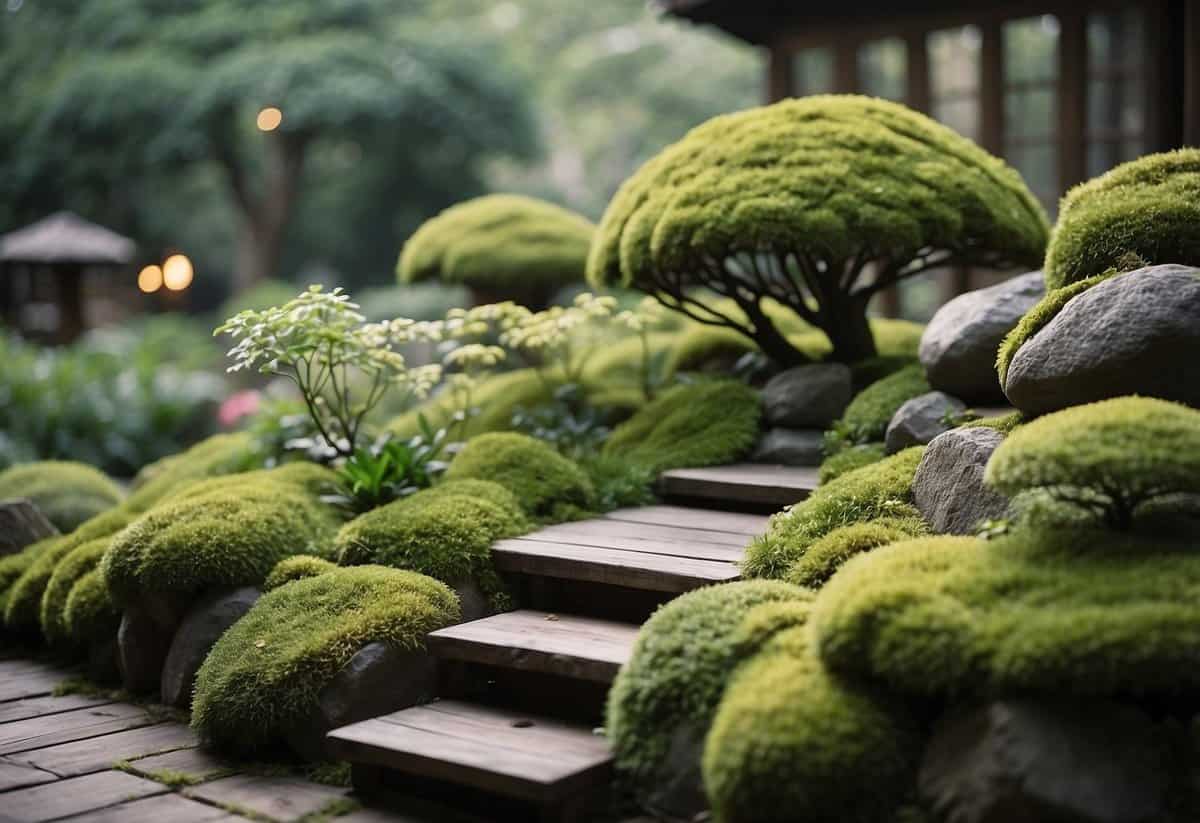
(1068,761)
(202,627)
(1137,333)
(958,347)
(921,419)
(22,524)
(790,447)
(810,396)
(948,488)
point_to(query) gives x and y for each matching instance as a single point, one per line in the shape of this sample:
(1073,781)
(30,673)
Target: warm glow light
(177,272)
(150,279)
(269,119)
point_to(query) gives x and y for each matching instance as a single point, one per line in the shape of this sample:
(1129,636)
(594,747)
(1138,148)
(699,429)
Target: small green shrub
(547,484)
(67,493)
(674,680)
(849,459)
(67,573)
(866,418)
(826,556)
(1148,208)
(90,613)
(882,489)
(1108,458)
(264,676)
(694,424)
(297,567)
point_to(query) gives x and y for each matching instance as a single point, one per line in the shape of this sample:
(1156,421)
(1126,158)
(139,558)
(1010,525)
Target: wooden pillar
(917,92)
(991,87)
(1072,99)
(70,302)
(1191,73)
(845,65)
(779,73)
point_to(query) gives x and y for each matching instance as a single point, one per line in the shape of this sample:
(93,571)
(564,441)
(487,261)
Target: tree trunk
(849,330)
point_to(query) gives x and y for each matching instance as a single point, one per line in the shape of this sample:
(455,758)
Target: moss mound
(228,531)
(826,556)
(866,418)
(480,490)
(264,676)
(849,459)
(882,489)
(547,484)
(673,682)
(297,567)
(67,493)
(1148,209)
(67,573)
(218,455)
(501,242)
(12,566)
(1005,424)
(90,613)
(694,424)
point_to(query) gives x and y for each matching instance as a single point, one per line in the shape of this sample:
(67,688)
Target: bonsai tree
(1108,458)
(1143,212)
(502,247)
(816,204)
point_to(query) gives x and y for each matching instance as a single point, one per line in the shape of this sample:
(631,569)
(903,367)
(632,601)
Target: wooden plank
(633,570)
(199,763)
(603,527)
(687,517)
(490,749)
(17,775)
(75,797)
(580,647)
(42,706)
(163,808)
(31,682)
(50,730)
(280,798)
(741,484)
(98,753)
(694,551)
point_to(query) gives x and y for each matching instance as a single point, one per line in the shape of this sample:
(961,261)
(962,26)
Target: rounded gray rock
(1137,333)
(790,447)
(920,420)
(142,645)
(959,344)
(948,488)
(200,629)
(811,396)
(22,524)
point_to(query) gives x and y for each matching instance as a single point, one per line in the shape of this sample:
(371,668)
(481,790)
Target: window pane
(1102,155)
(1031,49)
(1030,113)
(1116,40)
(954,60)
(961,115)
(1038,164)
(1116,105)
(812,71)
(882,69)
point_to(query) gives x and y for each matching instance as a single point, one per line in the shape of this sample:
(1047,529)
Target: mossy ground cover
(828,554)
(89,613)
(79,562)
(66,493)
(866,418)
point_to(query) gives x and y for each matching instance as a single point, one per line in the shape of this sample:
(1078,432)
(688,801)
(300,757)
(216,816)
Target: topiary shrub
(825,556)
(67,573)
(793,202)
(665,696)
(67,493)
(297,567)
(502,246)
(866,418)
(849,459)
(1148,209)
(1108,458)
(882,489)
(790,741)
(547,484)
(693,424)
(264,676)
(90,613)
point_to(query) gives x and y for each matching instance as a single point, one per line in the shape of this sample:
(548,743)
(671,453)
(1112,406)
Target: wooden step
(740,485)
(583,648)
(741,523)
(533,759)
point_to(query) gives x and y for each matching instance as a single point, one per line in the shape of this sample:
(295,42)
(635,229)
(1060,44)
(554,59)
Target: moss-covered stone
(504,243)
(866,418)
(297,567)
(90,613)
(677,673)
(12,566)
(487,490)
(1005,424)
(849,459)
(882,489)
(546,483)
(1147,209)
(218,455)
(264,676)
(67,573)
(67,493)
(825,556)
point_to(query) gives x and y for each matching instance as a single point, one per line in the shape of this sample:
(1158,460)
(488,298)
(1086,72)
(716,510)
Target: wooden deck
(741,485)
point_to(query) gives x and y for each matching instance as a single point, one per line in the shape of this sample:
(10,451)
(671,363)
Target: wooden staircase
(515,734)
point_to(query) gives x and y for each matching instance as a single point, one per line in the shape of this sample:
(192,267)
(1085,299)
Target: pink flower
(238,405)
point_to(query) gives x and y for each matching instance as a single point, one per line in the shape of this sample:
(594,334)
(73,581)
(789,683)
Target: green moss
(90,613)
(480,490)
(1148,208)
(1043,611)
(227,531)
(792,742)
(296,567)
(12,566)
(1005,423)
(826,556)
(619,483)
(543,481)
(882,489)
(67,493)
(501,242)
(67,573)
(220,454)
(263,677)
(694,424)
(849,459)
(866,418)
(678,670)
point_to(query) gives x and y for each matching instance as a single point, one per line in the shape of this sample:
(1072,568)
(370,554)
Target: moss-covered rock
(67,573)
(547,484)
(825,556)
(297,567)
(502,243)
(1005,423)
(218,455)
(265,674)
(90,613)
(866,418)
(664,698)
(67,493)
(1147,209)
(12,566)
(487,490)
(849,459)
(694,424)
(882,489)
